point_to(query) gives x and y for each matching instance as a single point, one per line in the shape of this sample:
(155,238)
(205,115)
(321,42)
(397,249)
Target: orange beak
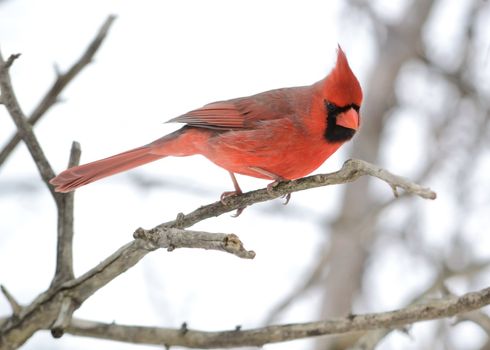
(349,119)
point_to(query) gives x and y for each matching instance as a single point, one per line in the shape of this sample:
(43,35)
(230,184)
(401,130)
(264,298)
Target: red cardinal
(277,135)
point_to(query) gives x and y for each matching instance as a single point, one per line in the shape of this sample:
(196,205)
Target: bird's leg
(237,192)
(277,179)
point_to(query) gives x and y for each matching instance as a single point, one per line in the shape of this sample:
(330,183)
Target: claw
(277,180)
(228,194)
(270,187)
(237,192)
(238,212)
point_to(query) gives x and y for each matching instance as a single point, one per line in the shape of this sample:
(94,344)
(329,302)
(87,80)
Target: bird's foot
(277,181)
(225,195)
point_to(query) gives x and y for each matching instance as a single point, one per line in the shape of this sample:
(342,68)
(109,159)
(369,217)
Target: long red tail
(72,178)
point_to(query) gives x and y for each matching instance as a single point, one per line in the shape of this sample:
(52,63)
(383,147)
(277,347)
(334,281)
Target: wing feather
(219,115)
(245,112)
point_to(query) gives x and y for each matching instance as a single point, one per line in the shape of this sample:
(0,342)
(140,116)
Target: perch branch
(350,171)
(62,80)
(435,309)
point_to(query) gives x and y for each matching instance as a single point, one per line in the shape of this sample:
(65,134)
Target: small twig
(16,308)
(183,328)
(393,180)
(11,60)
(172,238)
(62,80)
(75,154)
(64,317)
(440,308)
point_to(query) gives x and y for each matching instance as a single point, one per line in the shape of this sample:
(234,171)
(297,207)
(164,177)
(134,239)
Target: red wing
(217,115)
(241,113)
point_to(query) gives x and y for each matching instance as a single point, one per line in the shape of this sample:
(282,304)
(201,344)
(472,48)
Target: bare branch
(350,171)
(75,154)
(42,312)
(62,80)
(23,127)
(172,238)
(64,317)
(16,308)
(11,60)
(64,250)
(441,308)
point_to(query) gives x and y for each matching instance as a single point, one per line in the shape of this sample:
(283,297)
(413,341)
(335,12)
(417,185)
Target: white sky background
(160,60)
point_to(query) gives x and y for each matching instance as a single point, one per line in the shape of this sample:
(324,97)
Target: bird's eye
(331,107)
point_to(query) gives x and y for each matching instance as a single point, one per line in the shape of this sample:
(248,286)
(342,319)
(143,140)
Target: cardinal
(277,135)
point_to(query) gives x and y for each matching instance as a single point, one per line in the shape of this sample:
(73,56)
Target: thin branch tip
(139,233)
(232,244)
(57,70)
(11,60)
(360,168)
(16,308)
(75,154)
(111,18)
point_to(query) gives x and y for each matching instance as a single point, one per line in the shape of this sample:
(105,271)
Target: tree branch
(64,249)
(441,308)
(24,128)
(172,238)
(350,171)
(44,310)
(62,80)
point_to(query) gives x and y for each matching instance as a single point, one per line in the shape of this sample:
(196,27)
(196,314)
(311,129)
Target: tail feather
(78,176)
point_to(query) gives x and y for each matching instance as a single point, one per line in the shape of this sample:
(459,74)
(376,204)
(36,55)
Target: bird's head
(342,98)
